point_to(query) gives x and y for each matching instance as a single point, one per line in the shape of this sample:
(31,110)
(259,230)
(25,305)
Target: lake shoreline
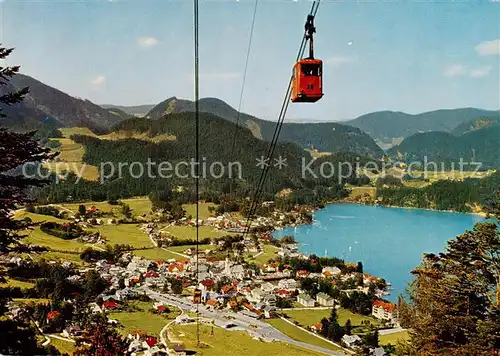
(481,214)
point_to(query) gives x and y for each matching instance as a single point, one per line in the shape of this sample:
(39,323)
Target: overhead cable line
(277,130)
(197,149)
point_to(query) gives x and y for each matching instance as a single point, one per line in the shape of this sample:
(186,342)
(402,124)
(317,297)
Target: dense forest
(215,146)
(443,195)
(479,145)
(325,136)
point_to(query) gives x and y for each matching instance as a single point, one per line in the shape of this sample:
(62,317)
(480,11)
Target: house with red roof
(212,303)
(91,210)
(110,305)
(152,274)
(302,273)
(283,293)
(385,311)
(317,327)
(207,284)
(151,341)
(161,308)
(176,267)
(52,315)
(228,290)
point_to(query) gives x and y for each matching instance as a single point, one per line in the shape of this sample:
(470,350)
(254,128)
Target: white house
(257,294)
(305,300)
(267,287)
(351,340)
(385,311)
(287,284)
(324,300)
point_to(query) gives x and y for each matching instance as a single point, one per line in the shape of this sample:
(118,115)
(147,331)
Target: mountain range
(477,140)
(46,109)
(385,126)
(45,104)
(325,136)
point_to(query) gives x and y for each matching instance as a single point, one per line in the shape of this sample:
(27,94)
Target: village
(222,287)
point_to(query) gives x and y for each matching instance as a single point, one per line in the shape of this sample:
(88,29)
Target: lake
(389,241)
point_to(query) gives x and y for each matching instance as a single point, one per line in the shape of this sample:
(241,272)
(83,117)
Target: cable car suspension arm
(309,30)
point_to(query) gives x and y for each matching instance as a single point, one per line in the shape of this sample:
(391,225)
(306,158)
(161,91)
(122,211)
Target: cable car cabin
(307,85)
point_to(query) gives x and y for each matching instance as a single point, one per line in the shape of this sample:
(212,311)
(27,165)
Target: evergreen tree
(126,211)
(324,326)
(100,339)
(455,297)
(82,210)
(371,339)
(17,337)
(348,327)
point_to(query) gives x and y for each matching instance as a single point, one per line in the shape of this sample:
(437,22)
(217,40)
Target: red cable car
(307,81)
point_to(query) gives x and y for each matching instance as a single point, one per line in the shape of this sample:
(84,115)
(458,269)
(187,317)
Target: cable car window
(310,69)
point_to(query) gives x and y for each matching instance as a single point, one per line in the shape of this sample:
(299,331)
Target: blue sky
(410,56)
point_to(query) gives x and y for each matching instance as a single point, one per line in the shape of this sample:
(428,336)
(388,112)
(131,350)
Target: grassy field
(139,136)
(393,338)
(71,153)
(59,256)
(224,342)
(31,300)
(129,234)
(143,319)
(21,214)
(37,237)
(15,283)
(269,252)
(139,205)
(63,346)
(452,174)
(300,335)
(317,154)
(203,212)
(67,132)
(360,191)
(202,248)
(156,254)
(310,317)
(189,232)
(70,156)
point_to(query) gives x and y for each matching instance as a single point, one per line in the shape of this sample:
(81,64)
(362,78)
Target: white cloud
(98,80)
(147,42)
(454,70)
(488,47)
(480,72)
(337,61)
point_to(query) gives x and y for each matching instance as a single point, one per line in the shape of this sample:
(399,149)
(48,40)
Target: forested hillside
(215,146)
(476,124)
(480,145)
(326,137)
(44,101)
(458,196)
(386,125)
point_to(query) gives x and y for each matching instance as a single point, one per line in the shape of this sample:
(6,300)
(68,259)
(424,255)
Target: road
(390,331)
(263,331)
